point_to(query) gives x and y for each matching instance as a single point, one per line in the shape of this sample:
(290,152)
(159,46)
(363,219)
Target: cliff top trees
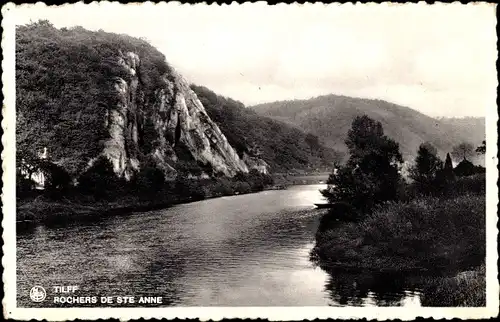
(371,175)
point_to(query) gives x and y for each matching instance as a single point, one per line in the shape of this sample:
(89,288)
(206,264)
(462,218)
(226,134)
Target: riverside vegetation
(100,191)
(433,225)
(123,131)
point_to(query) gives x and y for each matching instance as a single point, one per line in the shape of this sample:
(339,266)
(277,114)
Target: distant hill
(471,127)
(282,146)
(330,116)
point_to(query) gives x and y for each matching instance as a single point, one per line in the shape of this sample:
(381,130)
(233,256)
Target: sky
(437,59)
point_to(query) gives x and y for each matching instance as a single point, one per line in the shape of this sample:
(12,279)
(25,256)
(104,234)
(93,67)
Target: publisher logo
(37,294)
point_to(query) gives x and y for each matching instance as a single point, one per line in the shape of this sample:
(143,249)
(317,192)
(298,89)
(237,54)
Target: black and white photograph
(285,162)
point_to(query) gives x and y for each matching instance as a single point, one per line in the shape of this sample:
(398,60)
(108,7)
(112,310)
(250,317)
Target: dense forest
(282,146)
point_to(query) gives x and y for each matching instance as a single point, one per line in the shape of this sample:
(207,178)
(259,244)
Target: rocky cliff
(82,94)
(177,118)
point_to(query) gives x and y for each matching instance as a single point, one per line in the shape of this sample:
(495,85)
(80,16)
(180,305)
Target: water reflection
(234,251)
(370,289)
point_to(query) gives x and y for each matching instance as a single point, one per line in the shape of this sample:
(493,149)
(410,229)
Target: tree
(57,179)
(462,151)
(99,180)
(371,175)
(426,169)
(150,181)
(482,148)
(447,172)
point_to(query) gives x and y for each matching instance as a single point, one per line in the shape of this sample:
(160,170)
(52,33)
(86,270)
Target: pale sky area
(437,59)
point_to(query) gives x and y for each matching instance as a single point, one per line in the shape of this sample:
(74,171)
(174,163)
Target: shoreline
(41,210)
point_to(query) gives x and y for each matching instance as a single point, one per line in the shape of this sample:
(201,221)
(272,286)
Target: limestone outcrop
(175,116)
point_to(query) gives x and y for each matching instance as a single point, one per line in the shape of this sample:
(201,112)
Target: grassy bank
(465,289)
(425,234)
(439,243)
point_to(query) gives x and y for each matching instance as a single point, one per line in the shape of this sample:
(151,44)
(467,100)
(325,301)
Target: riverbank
(423,234)
(41,210)
(44,210)
(441,240)
(465,289)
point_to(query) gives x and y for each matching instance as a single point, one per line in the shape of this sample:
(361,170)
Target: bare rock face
(174,117)
(256,163)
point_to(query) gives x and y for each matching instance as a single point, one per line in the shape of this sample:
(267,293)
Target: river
(247,250)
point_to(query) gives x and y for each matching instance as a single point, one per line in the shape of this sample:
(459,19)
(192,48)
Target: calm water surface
(249,250)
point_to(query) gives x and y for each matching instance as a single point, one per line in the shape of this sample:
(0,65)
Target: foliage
(280,145)
(465,289)
(426,171)
(425,233)
(448,173)
(371,175)
(24,186)
(100,181)
(57,179)
(467,168)
(150,181)
(462,151)
(187,188)
(482,148)
(65,86)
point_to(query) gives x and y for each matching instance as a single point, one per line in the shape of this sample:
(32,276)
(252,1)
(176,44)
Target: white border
(217,313)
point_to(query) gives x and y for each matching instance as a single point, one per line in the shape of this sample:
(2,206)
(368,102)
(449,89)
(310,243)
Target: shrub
(24,186)
(242,187)
(57,179)
(465,289)
(425,233)
(188,189)
(223,187)
(464,168)
(475,184)
(150,181)
(100,181)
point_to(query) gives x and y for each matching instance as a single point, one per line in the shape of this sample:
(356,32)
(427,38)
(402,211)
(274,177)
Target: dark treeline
(99,182)
(433,221)
(100,189)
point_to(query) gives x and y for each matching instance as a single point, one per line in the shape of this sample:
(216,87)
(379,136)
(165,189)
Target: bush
(57,179)
(426,233)
(426,172)
(475,184)
(100,181)
(24,186)
(189,189)
(242,187)
(465,289)
(223,187)
(150,181)
(464,168)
